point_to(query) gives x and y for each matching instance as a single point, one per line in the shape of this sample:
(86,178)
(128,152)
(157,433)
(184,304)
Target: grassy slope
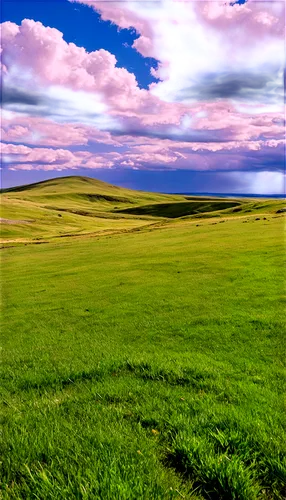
(146,365)
(66,205)
(80,205)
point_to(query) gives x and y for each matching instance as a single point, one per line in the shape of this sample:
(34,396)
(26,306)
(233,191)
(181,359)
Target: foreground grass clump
(146,365)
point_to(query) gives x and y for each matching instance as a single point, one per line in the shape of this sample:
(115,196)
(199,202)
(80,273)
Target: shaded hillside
(180,209)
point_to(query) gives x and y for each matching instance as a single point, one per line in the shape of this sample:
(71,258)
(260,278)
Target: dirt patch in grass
(14,221)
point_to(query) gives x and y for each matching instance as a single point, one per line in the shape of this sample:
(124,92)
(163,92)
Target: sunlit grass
(80,206)
(146,365)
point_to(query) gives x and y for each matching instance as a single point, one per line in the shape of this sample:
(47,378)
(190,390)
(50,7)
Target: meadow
(142,345)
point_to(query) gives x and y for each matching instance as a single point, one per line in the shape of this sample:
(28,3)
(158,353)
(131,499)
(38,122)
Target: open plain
(142,345)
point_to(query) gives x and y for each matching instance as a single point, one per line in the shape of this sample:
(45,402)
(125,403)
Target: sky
(165,95)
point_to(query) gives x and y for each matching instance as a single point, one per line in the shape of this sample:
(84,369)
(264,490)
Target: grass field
(144,358)
(80,206)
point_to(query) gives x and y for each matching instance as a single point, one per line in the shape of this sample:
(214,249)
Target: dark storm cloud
(217,135)
(20,100)
(265,87)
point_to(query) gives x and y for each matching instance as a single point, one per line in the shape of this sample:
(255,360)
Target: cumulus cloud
(155,156)
(217,106)
(57,103)
(226,52)
(34,130)
(42,53)
(21,157)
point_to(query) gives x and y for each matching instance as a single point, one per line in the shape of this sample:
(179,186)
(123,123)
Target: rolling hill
(80,205)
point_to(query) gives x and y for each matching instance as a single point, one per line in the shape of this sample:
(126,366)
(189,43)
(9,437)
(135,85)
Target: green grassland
(142,358)
(81,206)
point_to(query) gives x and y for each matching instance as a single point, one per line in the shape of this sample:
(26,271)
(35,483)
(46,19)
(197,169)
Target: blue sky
(163,96)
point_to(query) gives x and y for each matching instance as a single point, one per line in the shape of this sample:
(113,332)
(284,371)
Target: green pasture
(81,206)
(144,364)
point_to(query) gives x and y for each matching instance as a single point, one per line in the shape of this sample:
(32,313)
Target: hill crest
(65,181)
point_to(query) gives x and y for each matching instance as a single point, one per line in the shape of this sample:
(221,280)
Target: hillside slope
(69,205)
(80,205)
(80,188)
